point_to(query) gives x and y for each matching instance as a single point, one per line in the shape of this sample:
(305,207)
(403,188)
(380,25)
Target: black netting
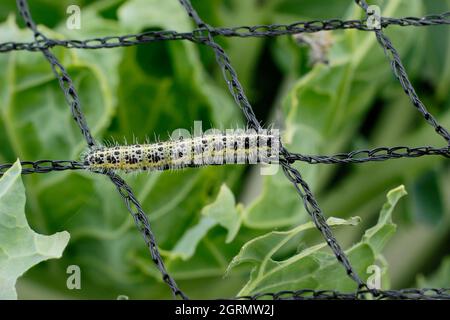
(205,34)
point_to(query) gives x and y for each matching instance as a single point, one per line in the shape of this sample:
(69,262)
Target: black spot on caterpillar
(229,147)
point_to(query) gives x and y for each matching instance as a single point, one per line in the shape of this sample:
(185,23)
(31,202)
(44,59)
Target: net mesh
(204,34)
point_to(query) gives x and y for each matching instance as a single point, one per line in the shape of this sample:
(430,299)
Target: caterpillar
(230,147)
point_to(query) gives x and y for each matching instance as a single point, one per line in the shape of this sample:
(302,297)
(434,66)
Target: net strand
(204,34)
(402,294)
(200,34)
(371,155)
(43,166)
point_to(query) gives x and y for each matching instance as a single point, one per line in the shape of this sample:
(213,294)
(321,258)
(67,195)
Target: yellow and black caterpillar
(236,147)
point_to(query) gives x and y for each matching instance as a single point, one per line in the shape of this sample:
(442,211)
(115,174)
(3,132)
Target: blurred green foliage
(150,90)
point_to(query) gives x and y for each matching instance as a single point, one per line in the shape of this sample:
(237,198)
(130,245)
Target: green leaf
(268,272)
(378,235)
(20,247)
(311,267)
(28,80)
(276,206)
(170,15)
(223,211)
